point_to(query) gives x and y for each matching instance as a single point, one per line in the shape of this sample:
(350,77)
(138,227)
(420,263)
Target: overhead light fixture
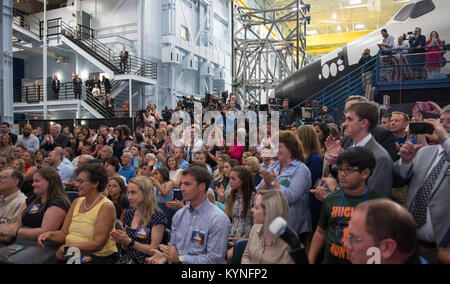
(338,28)
(334,16)
(355,2)
(359,26)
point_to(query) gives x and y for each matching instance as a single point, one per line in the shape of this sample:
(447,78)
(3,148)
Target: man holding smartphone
(427,171)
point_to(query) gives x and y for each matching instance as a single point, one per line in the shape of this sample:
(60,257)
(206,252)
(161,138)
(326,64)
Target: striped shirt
(201,235)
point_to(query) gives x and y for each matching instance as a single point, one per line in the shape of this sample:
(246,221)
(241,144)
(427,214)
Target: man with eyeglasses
(356,164)
(11,198)
(386,228)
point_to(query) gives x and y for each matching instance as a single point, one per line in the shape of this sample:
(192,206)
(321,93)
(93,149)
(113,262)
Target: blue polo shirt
(128,173)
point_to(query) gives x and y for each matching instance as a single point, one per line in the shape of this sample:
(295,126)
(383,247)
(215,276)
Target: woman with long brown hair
(6,146)
(143,224)
(44,211)
(238,207)
(116,192)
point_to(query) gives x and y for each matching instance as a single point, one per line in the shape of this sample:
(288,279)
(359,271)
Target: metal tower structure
(268,46)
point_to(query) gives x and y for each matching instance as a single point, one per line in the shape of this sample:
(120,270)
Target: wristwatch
(131,244)
(180,259)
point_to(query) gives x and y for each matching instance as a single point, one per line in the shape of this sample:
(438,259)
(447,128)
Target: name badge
(85,259)
(34,209)
(285,182)
(142,233)
(198,237)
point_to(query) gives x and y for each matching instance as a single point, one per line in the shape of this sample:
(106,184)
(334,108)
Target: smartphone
(421,128)
(118,225)
(423,106)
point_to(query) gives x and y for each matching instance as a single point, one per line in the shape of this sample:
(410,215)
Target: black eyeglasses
(347,171)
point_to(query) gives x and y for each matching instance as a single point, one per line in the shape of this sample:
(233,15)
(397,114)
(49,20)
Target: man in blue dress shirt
(199,230)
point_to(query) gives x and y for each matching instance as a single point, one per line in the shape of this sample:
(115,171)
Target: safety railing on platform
(406,65)
(35,94)
(29,22)
(354,83)
(85,38)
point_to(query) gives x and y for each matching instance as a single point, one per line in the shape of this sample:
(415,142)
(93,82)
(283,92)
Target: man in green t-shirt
(356,164)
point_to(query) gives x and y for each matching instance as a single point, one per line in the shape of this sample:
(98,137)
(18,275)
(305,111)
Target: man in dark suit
(417,43)
(109,103)
(428,171)
(361,119)
(383,136)
(287,116)
(56,85)
(5,128)
(106,84)
(77,86)
(123,60)
(55,139)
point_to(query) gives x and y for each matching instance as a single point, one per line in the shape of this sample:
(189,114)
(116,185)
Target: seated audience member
(106,152)
(426,170)
(127,169)
(4,161)
(12,199)
(18,151)
(386,121)
(253,165)
(200,158)
(385,225)
(6,146)
(205,241)
(65,171)
(218,173)
(44,211)
(355,166)
(90,220)
(39,157)
(143,224)
(28,172)
(163,185)
(223,190)
(174,170)
(263,247)
(238,207)
(291,175)
(117,193)
(112,166)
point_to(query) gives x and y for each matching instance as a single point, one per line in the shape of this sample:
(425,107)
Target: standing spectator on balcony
(56,85)
(434,54)
(123,60)
(109,103)
(126,108)
(388,41)
(5,129)
(106,85)
(89,84)
(416,44)
(77,83)
(96,93)
(367,74)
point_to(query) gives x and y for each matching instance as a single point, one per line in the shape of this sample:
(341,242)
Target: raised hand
(409,151)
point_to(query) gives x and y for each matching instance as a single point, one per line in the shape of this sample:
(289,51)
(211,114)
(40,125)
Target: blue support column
(6,66)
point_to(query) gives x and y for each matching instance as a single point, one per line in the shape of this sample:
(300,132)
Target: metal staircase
(351,84)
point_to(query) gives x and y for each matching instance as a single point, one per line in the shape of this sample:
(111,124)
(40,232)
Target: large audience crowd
(147,196)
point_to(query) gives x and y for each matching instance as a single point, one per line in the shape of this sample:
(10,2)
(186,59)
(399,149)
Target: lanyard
(340,211)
